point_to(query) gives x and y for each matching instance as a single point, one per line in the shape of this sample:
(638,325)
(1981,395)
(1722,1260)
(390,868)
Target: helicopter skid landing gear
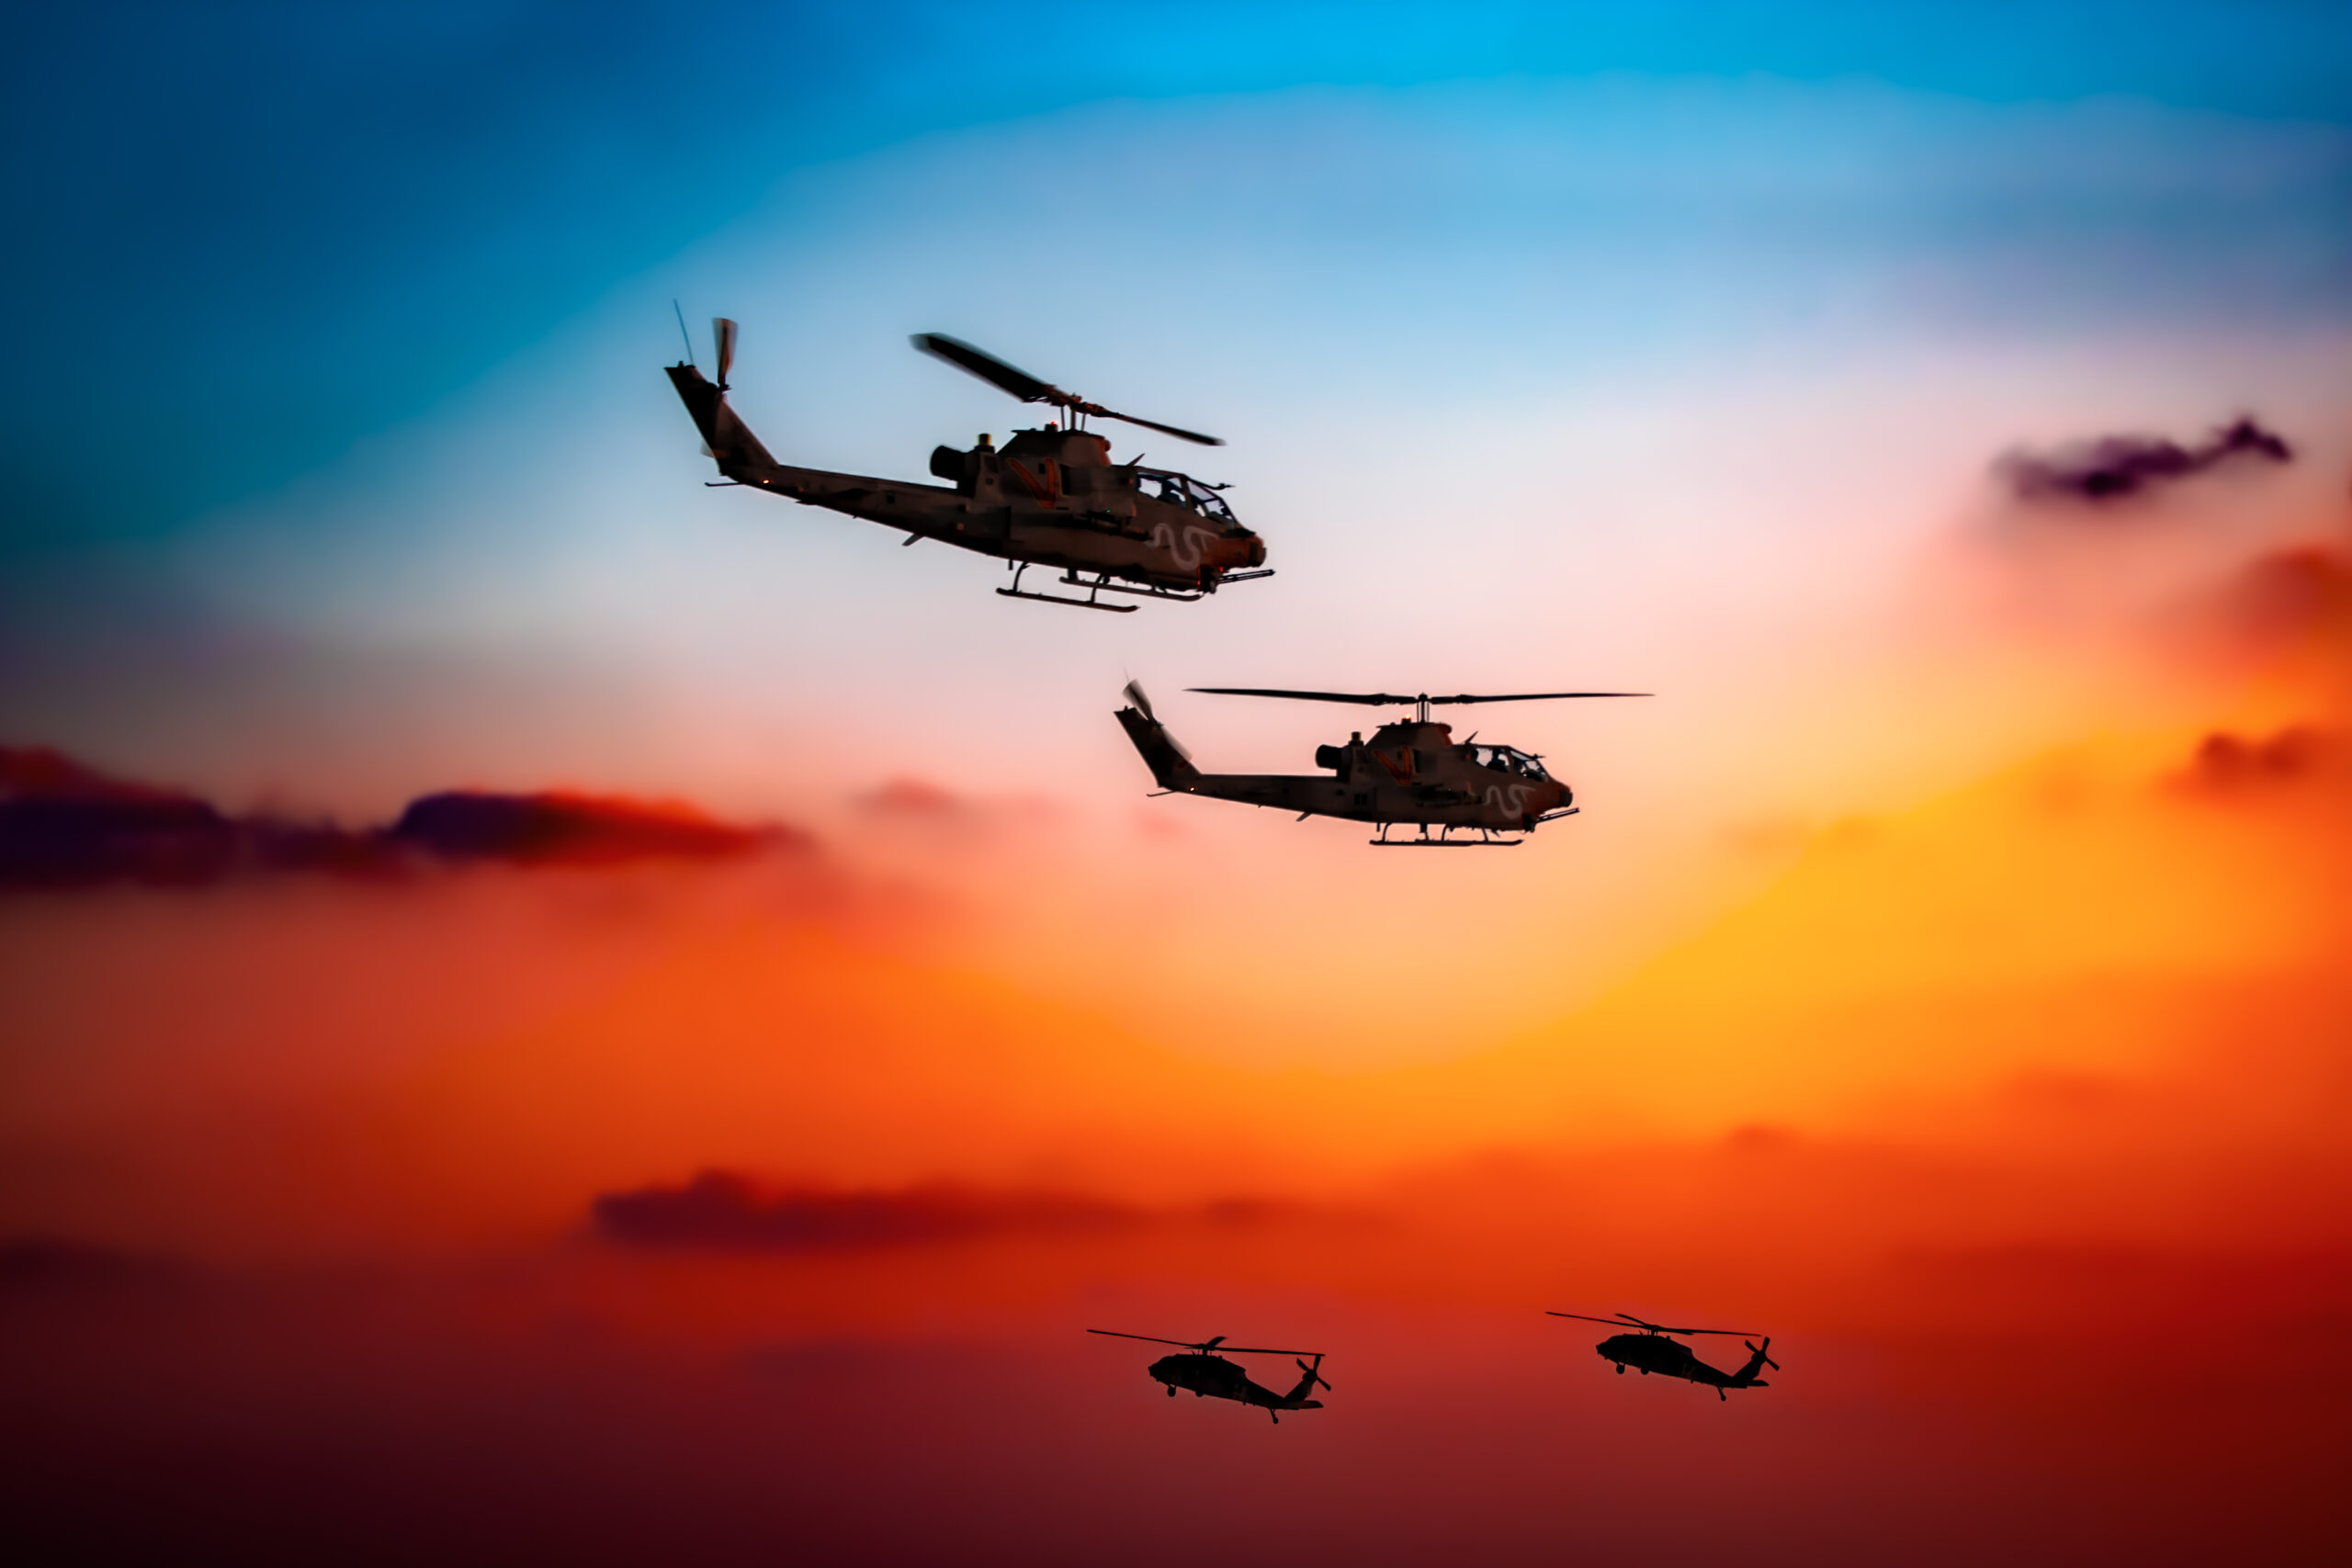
(1103,584)
(1444,841)
(1086,603)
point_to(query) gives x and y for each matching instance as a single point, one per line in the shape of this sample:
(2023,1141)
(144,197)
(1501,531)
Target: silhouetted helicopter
(1410,771)
(1650,1351)
(1211,1375)
(1050,498)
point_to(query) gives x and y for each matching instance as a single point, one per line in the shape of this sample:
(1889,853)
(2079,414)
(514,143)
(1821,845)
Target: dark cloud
(723,1209)
(2116,467)
(573,829)
(64,824)
(2227,766)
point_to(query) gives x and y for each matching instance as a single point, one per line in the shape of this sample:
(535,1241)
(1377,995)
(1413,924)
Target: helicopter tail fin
(726,437)
(1170,767)
(1745,1377)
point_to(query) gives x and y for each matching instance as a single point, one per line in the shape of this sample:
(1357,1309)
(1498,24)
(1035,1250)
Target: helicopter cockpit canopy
(1181,490)
(1510,760)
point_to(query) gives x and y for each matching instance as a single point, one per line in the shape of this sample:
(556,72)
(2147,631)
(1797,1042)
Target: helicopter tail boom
(1170,767)
(730,440)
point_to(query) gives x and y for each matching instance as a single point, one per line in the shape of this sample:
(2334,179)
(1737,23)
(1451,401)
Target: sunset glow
(553,1013)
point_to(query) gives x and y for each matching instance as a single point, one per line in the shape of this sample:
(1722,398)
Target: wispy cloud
(2116,467)
(727,1209)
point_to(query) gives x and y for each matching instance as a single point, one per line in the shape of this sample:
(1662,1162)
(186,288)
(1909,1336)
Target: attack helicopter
(1651,1351)
(1050,497)
(1411,770)
(1210,1375)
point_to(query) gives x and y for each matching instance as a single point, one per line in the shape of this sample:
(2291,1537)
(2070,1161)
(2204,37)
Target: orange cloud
(2014,1116)
(2231,767)
(2287,603)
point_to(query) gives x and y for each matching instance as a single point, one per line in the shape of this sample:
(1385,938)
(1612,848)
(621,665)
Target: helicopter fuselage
(1408,772)
(1214,1377)
(1049,497)
(1648,1353)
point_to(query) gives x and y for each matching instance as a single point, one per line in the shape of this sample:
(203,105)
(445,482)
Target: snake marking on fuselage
(1510,801)
(1186,545)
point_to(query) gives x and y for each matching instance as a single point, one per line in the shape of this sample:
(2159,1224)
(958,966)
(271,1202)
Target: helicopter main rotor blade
(1179,432)
(1217,1344)
(988,368)
(1390,699)
(1627,1320)
(1029,390)
(1152,1338)
(1537,696)
(1371,699)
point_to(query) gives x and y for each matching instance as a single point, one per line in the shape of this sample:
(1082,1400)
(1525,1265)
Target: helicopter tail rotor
(1751,1375)
(725,437)
(722,333)
(1301,1396)
(1134,694)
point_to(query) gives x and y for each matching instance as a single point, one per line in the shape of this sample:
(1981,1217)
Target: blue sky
(1543,336)
(252,233)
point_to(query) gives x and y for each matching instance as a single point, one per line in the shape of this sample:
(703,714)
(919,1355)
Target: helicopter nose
(1257,551)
